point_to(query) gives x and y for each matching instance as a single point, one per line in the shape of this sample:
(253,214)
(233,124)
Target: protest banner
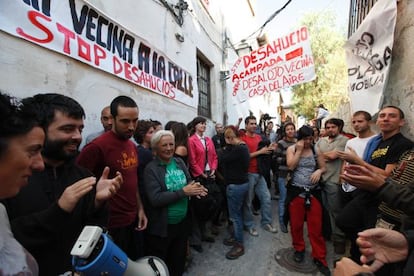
(368,55)
(285,62)
(78,30)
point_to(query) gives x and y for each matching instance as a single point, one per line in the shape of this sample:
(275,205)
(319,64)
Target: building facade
(171,56)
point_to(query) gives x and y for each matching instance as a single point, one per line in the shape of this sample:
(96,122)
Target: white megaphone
(94,253)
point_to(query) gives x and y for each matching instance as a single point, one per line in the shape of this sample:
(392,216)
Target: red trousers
(313,215)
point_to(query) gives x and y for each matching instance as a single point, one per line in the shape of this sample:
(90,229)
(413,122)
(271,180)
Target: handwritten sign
(285,62)
(78,30)
(368,54)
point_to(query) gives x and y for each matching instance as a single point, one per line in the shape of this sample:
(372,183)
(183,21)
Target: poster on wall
(368,56)
(284,62)
(78,30)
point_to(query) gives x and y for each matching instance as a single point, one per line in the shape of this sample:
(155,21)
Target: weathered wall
(27,69)
(400,88)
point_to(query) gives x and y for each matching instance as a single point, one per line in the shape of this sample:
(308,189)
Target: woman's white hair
(156,137)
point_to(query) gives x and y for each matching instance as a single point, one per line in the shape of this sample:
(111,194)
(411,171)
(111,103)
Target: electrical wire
(261,28)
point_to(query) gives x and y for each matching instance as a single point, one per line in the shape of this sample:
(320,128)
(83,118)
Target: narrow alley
(259,258)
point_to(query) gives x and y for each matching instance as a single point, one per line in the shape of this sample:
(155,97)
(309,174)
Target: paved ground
(259,257)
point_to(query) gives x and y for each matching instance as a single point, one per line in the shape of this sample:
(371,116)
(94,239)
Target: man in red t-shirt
(115,150)
(257,183)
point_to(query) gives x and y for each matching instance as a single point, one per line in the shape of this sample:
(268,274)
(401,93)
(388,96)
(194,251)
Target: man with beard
(329,147)
(48,214)
(115,149)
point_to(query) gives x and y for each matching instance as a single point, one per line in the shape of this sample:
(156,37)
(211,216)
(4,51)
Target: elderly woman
(168,186)
(21,141)
(304,193)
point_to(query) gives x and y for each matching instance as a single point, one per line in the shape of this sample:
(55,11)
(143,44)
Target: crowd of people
(163,192)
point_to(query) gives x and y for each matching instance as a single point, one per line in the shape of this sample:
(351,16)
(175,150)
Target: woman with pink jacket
(203,161)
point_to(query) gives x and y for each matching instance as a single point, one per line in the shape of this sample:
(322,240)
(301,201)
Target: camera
(266,117)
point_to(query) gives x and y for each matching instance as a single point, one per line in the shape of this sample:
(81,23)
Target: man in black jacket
(49,213)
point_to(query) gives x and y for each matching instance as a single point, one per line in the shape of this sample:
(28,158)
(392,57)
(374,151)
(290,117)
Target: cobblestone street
(259,257)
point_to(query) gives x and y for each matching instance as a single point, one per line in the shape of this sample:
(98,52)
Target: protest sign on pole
(284,62)
(368,55)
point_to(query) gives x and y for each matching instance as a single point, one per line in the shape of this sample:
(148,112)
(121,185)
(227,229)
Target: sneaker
(229,241)
(322,268)
(283,228)
(298,256)
(253,232)
(236,251)
(269,228)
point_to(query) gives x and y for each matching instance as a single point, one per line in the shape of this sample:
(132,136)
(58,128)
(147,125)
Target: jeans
(282,181)
(257,184)
(236,195)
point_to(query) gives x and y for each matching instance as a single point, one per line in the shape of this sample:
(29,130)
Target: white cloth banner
(76,29)
(368,55)
(285,62)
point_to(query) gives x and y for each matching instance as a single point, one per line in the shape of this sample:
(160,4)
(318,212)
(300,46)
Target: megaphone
(94,253)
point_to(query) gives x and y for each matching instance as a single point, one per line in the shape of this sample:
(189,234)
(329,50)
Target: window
(203,82)
(358,10)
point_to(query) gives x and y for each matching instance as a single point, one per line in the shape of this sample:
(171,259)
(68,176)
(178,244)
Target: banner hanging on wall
(76,29)
(368,55)
(285,62)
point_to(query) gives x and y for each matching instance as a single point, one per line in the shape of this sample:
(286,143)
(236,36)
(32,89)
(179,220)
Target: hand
(347,267)
(299,145)
(142,220)
(382,246)
(350,156)
(315,176)
(73,193)
(195,189)
(363,178)
(106,188)
(266,150)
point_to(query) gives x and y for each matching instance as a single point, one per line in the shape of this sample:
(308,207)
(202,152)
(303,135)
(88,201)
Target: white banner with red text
(285,62)
(78,30)
(368,55)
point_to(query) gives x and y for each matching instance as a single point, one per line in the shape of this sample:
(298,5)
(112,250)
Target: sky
(288,18)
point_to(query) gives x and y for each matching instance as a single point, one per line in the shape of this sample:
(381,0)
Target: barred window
(203,82)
